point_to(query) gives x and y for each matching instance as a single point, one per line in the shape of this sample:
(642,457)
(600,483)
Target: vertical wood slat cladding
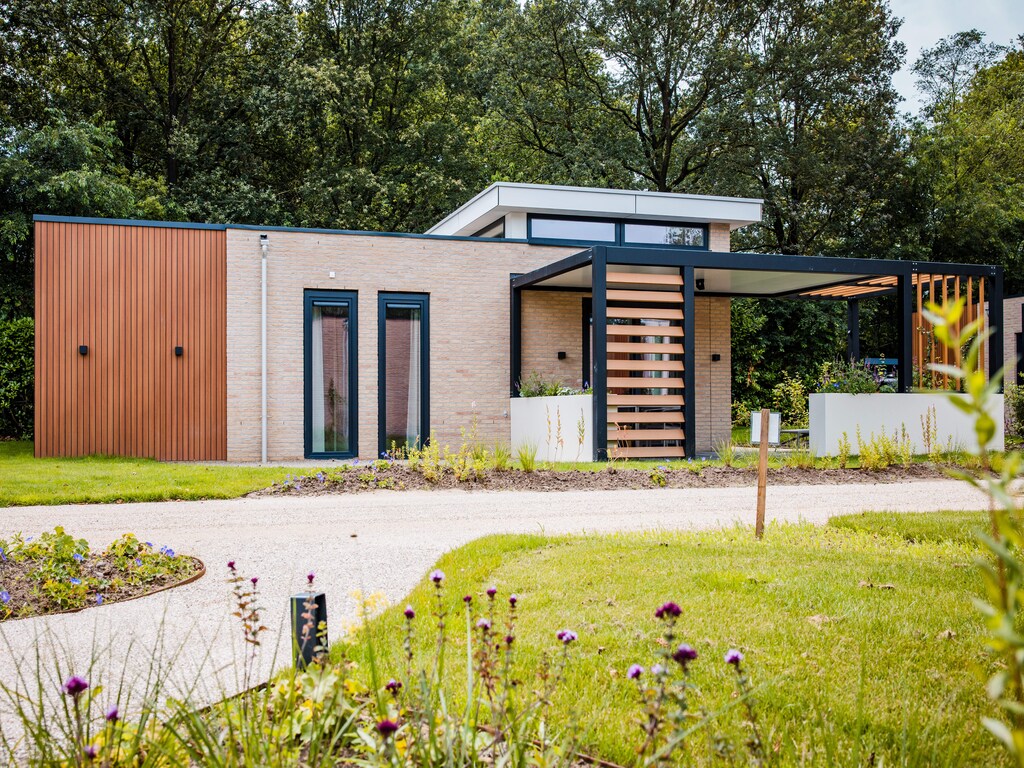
(132,294)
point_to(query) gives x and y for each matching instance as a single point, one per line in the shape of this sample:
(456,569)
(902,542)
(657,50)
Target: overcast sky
(927,21)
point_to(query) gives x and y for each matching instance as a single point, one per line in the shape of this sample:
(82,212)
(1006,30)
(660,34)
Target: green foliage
(17,361)
(844,451)
(789,397)
(1014,405)
(884,450)
(535,385)
(526,455)
(850,378)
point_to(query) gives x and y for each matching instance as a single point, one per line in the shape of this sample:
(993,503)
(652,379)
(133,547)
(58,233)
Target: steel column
(995,324)
(599,285)
(516,336)
(905,331)
(689,363)
(853,330)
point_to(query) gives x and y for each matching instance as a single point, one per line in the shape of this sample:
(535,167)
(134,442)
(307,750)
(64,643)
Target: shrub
(1014,403)
(527,456)
(17,339)
(789,398)
(841,377)
(740,414)
(535,385)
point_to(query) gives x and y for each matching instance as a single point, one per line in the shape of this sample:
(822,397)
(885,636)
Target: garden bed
(395,476)
(59,574)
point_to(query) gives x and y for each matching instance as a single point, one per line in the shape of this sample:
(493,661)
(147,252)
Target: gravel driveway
(373,542)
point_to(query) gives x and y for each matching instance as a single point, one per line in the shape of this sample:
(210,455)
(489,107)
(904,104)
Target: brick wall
(469,334)
(553,323)
(1011,327)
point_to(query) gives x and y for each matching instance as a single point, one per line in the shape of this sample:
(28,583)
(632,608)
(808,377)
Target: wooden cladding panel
(646,417)
(665,451)
(132,294)
(644,331)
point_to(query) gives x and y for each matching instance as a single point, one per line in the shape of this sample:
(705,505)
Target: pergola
(643,361)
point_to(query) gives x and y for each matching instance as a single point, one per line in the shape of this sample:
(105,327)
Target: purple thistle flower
(5,597)
(437,576)
(409,613)
(112,715)
(513,599)
(74,686)
(635,670)
(509,639)
(566,636)
(231,565)
(467,599)
(393,687)
(657,670)
(78,557)
(309,578)
(483,624)
(254,579)
(386,728)
(491,592)
(684,654)
(668,609)
(76,582)
(89,752)
(733,657)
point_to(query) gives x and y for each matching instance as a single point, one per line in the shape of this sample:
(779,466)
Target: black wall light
(83,349)
(715,357)
(561,355)
(700,283)
(179,351)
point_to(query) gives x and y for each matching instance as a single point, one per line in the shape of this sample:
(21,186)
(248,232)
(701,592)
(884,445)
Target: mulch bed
(22,589)
(399,477)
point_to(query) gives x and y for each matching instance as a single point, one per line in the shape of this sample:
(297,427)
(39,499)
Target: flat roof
(502,198)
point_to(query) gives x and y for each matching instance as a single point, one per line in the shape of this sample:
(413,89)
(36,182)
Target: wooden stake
(762,474)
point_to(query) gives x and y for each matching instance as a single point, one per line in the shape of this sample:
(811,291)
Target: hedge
(16,377)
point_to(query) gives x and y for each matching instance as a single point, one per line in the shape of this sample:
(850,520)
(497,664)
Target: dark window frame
(481,233)
(384,298)
(330,298)
(620,232)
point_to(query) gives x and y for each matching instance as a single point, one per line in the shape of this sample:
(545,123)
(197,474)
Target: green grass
(871,680)
(959,527)
(25,479)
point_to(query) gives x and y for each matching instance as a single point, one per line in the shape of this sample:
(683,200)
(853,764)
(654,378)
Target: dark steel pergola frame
(687,261)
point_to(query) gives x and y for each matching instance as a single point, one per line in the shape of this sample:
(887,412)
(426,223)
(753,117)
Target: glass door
(330,374)
(403,335)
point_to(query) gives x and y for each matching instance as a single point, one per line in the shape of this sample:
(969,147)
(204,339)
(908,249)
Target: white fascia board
(502,198)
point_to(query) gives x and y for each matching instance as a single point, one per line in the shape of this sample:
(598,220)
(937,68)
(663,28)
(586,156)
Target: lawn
(25,479)
(861,635)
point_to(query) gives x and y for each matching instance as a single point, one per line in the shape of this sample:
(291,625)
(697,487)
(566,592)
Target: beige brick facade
(1011,327)
(468,285)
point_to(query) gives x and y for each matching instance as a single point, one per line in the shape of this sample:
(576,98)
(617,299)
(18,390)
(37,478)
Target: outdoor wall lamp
(700,283)
(561,355)
(179,351)
(83,349)
(715,357)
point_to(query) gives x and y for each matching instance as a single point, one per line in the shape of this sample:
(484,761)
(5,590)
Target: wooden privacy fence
(942,290)
(131,340)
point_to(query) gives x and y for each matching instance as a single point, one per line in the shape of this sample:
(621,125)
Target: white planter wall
(530,417)
(831,415)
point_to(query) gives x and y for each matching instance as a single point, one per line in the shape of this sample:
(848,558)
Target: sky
(925,22)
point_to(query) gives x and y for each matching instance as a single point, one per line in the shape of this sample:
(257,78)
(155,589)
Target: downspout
(264,243)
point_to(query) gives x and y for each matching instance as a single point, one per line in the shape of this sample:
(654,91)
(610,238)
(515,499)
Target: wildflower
(309,578)
(99,599)
(393,687)
(74,686)
(138,561)
(89,752)
(635,670)
(3,557)
(410,613)
(386,727)
(657,670)
(383,454)
(148,544)
(684,654)
(321,477)
(169,552)
(483,624)
(112,715)
(437,576)
(231,565)
(668,609)
(566,636)
(509,639)
(513,599)
(733,657)
(254,579)
(491,592)
(467,599)
(78,557)
(76,582)
(5,597)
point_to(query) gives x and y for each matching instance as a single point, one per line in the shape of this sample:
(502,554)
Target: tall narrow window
(330,374)
(404,365)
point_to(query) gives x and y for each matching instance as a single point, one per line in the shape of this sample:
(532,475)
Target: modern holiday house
(242,343)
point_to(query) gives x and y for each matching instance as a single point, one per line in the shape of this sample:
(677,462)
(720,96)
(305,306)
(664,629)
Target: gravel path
(374,542)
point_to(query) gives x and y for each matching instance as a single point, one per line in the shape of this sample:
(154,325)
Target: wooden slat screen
(132,294)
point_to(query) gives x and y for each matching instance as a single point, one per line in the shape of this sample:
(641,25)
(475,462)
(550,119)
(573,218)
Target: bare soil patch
(398,477)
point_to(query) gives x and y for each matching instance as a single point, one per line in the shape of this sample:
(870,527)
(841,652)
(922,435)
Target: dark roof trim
(257,228)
